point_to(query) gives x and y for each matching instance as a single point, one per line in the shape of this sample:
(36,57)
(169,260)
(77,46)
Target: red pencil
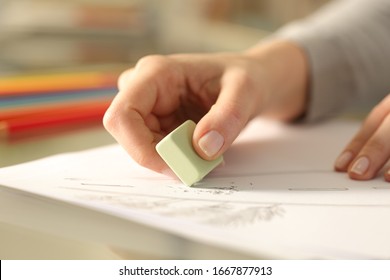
(37,123)
(52,108)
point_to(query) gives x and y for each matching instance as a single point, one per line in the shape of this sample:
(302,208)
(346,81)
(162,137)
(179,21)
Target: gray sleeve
(348,48)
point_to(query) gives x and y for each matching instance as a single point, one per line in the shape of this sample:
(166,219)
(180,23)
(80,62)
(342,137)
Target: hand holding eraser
(177,151)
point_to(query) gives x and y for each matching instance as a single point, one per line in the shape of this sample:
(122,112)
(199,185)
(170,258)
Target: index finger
(367,130)
(131,118)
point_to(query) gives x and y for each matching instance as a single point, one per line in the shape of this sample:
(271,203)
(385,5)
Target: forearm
(347,48)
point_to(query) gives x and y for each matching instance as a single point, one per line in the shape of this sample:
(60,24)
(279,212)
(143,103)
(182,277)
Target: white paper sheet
(276,196)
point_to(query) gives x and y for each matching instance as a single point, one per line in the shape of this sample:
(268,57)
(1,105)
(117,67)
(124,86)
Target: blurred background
(59,60)
(47,34)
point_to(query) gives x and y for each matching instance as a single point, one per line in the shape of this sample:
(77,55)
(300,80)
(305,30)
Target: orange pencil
(40,84)
(34,124)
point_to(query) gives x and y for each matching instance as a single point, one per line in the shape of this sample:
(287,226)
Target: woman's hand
(369,150)
(221,92)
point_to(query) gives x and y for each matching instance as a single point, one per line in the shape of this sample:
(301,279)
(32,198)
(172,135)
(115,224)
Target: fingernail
(360,166)
(211,143)
(343,160)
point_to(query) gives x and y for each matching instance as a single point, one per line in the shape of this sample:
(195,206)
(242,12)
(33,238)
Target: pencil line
(252,174)
(287,172)
(229,201)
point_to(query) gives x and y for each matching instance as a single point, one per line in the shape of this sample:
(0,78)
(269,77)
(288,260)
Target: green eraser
(177,151)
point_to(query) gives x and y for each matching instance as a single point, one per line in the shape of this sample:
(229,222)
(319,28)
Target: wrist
(286,75)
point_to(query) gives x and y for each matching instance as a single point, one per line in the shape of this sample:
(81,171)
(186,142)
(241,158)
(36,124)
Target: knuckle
(157,63)
(242,78)
(236,115)
(123,77)
(117,118)
(110,120)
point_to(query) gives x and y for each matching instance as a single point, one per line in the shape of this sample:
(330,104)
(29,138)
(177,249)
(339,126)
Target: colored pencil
(32,124)
(51,109)
(41,84)
(11,102)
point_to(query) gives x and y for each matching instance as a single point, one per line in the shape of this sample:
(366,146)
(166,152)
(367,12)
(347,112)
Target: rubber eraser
(177,151)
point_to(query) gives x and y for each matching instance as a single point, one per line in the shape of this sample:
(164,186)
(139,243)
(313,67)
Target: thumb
(217,130)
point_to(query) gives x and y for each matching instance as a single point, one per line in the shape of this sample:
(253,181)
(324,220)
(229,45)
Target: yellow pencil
(40,84)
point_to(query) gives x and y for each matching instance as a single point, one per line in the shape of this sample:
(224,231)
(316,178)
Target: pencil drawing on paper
(216,213)
(200,204)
